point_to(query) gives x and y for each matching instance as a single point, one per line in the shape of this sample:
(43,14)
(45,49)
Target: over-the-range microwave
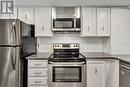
(66,24)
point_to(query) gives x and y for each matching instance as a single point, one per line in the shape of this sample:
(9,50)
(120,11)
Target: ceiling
(72,2)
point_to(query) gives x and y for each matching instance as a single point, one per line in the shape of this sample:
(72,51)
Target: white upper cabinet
(43,22)
(26,15)
(89,22)
(95,22)
(9,16)
(103,22)
(96,74)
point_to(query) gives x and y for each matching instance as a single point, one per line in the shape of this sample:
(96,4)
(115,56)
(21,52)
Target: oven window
(67,74)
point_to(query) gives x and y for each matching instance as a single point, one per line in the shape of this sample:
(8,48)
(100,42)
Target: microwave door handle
(15,38)
(74,23)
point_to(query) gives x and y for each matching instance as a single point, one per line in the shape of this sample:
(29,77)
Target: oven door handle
(68,63)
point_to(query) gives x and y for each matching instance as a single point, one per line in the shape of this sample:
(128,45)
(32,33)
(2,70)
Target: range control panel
(66,46)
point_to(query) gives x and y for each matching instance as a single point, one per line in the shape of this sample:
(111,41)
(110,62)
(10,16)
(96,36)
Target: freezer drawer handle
(13,58)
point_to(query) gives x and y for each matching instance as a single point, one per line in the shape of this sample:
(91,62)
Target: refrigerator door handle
(14,29)
(13,58)
(13,34)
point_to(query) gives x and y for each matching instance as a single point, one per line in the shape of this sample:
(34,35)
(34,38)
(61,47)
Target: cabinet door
(43,22)
(103,21)
(9,16)
(89,22)
(96,74)
(26,15)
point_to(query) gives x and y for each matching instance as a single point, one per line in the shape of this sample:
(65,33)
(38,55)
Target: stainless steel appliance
(10,52)
(66,19)
(66,24)
(124,74)
(67,66)
(27,30)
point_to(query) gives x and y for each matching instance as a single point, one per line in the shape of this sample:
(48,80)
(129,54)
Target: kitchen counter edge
(88,55)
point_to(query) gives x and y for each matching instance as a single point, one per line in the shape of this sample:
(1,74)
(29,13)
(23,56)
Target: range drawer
(37,72)
(37,64)
(38,82)
(38,86)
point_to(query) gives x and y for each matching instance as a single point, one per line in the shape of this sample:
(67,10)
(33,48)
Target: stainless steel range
(67,66)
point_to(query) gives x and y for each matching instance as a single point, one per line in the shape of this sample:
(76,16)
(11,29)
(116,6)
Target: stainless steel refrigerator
(10,45)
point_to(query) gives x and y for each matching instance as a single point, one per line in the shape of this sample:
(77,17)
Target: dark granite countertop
(88,55)
(43,56)
(24,55)
(102,55)
(122,57)
(99,55)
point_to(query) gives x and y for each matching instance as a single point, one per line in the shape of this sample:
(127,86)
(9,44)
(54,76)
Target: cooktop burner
(66,56)
(66,53)
(67,59)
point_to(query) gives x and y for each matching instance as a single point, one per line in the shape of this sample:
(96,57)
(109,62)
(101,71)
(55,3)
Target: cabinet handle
(37,82)
(37,45)
(95,70)
(37,72)
(102,28)
(38,64)
(25,16)
(88,28)
(122,72)
(43,28)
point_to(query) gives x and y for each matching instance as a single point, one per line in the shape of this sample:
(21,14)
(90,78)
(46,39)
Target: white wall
(86,44)
(120,31)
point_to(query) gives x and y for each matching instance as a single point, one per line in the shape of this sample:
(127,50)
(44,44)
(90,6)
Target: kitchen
(71,43)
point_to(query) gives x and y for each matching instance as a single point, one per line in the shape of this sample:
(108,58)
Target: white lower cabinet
(37,73)
(112,73)
(102,73)
(95,73)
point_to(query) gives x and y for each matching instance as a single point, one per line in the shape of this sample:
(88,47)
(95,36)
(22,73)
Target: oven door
(66,75)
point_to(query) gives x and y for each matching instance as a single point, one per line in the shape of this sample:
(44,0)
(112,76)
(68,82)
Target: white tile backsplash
(86,44)
(120,31)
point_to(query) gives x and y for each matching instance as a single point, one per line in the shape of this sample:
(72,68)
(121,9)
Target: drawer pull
(38,64)
(38,73)
(37,82)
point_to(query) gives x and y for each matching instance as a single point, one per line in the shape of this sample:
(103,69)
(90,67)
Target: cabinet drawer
(37,73)
(37,82)
(37,64)
(38,86)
